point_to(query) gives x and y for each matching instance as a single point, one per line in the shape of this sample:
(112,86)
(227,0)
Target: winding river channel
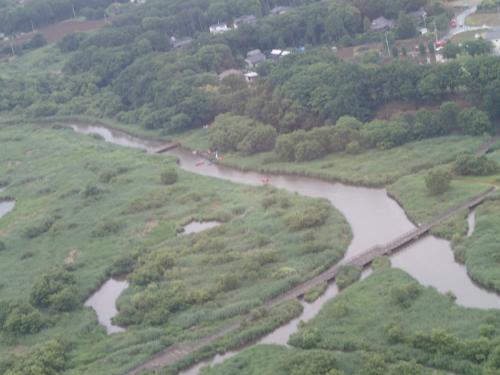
(374,218)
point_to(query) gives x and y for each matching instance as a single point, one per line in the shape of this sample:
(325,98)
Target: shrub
(313,216)
(55,289)
(107,228)
(474,122)
(91,191)
(261,138)
(404,295)
(2,246)
(382,262)
(23,319)
(228,282)
(472,165)
(47,359)
(438,181)
(169,177)
(347,275)
(394,333)
(122,265)
(41,228)
(308,150)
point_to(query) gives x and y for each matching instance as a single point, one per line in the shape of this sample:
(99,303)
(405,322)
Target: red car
(453,23)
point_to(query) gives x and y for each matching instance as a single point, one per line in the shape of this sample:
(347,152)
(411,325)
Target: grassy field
(371,168)
(46,60)
(381,324)
(480,19)
(467,35)
(86,204)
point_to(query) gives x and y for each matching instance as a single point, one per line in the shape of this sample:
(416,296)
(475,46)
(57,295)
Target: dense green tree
(474,122)
(438,181)
(471,165)
(478,47)
(22,319)
(451,50)
(169,177)
(55,289)
(405,26)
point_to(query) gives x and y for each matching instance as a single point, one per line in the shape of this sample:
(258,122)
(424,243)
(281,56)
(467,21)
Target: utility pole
(12,49)
(435,31)
(74,13)
(387,44)
(32,27)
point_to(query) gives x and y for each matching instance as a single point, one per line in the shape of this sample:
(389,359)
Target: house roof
(382,23)
(230,72)
(255,59)
(181,42)
(279,10)
(251,74)
(248,19)
(421,13)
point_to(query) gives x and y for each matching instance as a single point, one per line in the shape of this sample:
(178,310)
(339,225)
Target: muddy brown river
(374,218)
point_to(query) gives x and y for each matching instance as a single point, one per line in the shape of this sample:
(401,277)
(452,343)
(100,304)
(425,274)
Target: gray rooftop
(381,23)
(279,10)
(421,13)
(255,57)
(248,19)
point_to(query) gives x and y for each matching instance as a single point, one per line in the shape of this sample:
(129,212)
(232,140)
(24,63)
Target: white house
(220,28)
(251,77)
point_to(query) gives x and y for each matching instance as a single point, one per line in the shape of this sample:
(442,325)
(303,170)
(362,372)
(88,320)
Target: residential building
(230,73)
(219,28)
(181,42)
(382,24)
(278,11)
(251,77)
(418,14)
(254,58)
(244,20)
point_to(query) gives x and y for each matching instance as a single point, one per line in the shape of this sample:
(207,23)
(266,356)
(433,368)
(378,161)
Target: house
(382,24)
(278,11)
(230,73)
(181,42)
(220,28)
(278,53)
(423,30)
(254,58)
(244,20)
(138,1)
(251,77)
(493,36)
(418,14)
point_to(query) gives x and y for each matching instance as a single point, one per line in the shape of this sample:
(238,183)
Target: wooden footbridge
(177,352)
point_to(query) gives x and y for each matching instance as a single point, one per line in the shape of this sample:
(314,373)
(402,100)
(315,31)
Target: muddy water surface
(6,207)
(199,226)
(103,301)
